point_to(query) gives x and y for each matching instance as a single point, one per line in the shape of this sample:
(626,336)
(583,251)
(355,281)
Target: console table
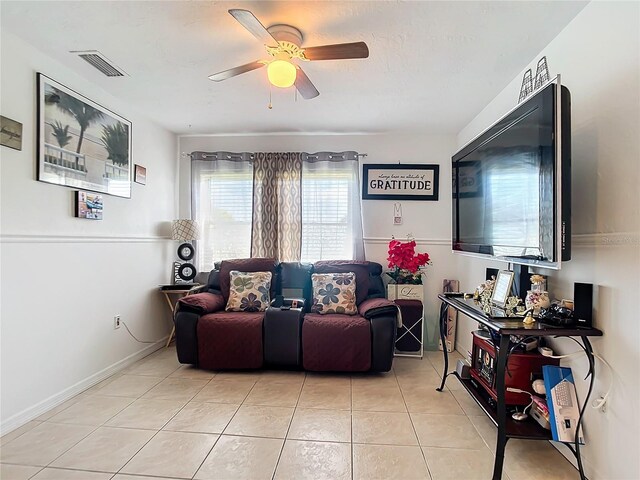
(501,330)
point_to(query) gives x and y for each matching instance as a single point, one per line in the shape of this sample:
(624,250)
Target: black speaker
(583,304)
(521,281)
(491,273)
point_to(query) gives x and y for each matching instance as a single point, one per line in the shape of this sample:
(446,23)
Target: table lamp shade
(184,230)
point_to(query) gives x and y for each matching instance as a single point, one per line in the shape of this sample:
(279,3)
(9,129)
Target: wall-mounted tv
(512,185)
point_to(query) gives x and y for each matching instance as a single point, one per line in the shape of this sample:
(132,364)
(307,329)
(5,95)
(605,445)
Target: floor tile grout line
(81,439)
(415,432)
(155,434)
(156,430)
(284,441)
(238,409)
(351,423)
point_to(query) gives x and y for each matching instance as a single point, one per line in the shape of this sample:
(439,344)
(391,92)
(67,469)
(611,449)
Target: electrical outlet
(603,404)
(116,322)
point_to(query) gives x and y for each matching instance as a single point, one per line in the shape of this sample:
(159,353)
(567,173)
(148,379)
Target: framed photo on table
(502,288)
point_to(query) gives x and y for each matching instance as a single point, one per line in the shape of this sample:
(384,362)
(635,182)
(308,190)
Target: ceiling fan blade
(249,21)
(307,89)
(337,52)
(232,72)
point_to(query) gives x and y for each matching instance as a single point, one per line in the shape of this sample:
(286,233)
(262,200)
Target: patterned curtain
(277,214)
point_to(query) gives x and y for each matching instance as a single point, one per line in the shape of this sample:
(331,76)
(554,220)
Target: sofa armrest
(375,307)
(201,303)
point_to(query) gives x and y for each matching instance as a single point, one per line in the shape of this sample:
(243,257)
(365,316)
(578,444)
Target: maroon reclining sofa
(209,337)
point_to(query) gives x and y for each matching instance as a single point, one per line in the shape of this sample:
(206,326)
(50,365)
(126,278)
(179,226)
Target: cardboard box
(405,292)
(562,403)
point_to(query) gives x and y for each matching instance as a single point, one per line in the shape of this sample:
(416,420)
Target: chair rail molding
(419,241)
(43,238)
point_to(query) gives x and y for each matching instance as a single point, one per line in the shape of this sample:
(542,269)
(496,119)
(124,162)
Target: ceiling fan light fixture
(281,73)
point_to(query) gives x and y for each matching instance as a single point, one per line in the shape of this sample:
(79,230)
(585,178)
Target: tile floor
(160,419)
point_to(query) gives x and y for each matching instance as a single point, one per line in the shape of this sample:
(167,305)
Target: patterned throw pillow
(249,291)
(334,293)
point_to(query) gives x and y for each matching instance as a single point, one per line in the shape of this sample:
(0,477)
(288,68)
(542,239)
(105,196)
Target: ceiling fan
(283,43)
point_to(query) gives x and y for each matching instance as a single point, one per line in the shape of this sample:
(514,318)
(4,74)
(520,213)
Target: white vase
(537,300)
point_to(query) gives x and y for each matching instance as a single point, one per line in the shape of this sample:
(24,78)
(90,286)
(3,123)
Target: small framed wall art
(140,175)
(88,205)
(400,182)
(10,133)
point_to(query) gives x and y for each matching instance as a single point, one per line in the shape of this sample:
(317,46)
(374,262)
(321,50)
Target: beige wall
(62,278)
(598,56)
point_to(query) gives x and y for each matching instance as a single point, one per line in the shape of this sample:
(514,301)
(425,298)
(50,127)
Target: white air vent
(100,62)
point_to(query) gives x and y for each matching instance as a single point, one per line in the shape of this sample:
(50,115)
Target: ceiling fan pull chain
(270,106)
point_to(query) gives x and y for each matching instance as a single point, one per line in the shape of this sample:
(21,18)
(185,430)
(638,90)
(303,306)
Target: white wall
(598,56)
(62,278)
(429,222)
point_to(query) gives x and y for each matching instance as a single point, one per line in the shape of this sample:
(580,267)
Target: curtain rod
(238,155)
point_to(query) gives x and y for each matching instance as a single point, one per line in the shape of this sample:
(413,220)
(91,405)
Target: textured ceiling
(432,65)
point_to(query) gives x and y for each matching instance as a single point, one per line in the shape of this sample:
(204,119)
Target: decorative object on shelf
(88,205)
(483,293)
(537,297)
(528,317)
(407,270)
(185,231)
(140,175)
(530,84)
(80,143)
(10,133)
(502,288)
(527,86)
(400,182)
(406,263)
(542,74)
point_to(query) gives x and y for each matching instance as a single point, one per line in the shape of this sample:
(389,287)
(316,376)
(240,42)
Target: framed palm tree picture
(81,144)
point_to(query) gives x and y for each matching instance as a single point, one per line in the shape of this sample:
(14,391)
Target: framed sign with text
(400,182)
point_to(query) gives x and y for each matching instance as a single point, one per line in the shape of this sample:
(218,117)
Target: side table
(173,293)
(409,340)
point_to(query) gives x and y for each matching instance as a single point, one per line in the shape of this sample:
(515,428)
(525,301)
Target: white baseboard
(38,409)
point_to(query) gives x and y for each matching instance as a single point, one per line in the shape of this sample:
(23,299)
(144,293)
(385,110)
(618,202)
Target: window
(328,196)
(329,190)
(224,207)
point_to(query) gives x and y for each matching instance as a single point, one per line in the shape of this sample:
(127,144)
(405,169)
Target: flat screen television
(512,185)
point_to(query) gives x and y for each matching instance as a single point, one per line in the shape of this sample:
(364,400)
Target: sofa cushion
(372,307)
(249,291)
(244,265)
(230,340)
(334,293)
(336,343)
(202,302)
(361,270)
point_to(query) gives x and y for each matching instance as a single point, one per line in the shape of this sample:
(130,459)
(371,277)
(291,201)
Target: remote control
(454,294)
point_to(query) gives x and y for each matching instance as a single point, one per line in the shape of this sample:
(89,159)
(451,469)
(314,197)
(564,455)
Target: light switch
(397,214)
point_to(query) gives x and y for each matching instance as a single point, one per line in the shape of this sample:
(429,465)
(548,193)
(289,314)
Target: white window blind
(327,211)
(223,211)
